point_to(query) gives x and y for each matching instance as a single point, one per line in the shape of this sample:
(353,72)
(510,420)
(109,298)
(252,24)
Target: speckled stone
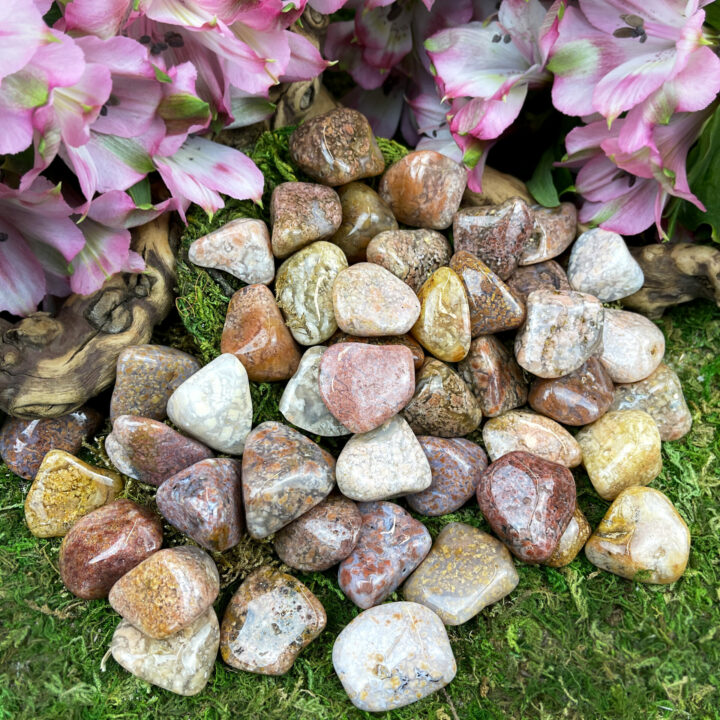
(393,655)
(571,543)
(322,537)
(337,148)
(621,449)
(528,502)
(147,375)
(214,406)
(497,234)
(411,255)
(204,501)
(642,537)
(24,443)
(465,571)
(364,385)
(546,274)
(390,546)
(369,300)
(104,544)
(553,231)
(168,591)
(661,396)
(284,474)
(304,291)
(456,465)
(301,213)
(632,346)
(240,247)
(494,377)
(561,331)
(269,620)
(383,463)
(150,451)
(532,433)
(424,189)
(443,404)
(408,341)
(578,398)
(65,488)
(181,663)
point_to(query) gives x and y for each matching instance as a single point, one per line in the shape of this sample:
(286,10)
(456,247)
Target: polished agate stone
(553,231)
(546,274)
(572,540)
(407,340)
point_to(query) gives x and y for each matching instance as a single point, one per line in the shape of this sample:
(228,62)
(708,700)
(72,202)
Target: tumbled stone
(269,620)
(561,331)
(284,474)
(642,537)
(150,451)
(632,346)
(240,247)
(528,501)
(24,443)
(105,544)
(301,213)
(572,540)
(553,231)
(204,501)
(578,398)
(337,148)
(411,255)
(393,655)
(601,265)
(214,406)
(383,463)
(407,340)
(456,465)
(64,489)
(364,385)
(497,234)
(147,375)
(322,537)
(181,663)
(532,433)
(168,591)
(391,544)
(494,377)
(304,291)
(424,189)
(369,300)
(620,449)
(661,396)
(546,274)
(443,404)
(465,571)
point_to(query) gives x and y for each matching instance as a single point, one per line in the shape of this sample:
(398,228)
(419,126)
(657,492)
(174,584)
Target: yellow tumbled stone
(571,541)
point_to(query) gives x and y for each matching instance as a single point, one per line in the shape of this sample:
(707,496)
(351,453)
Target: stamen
(144,39)
(496,38)
(506,39)
(157,48)
(3,236)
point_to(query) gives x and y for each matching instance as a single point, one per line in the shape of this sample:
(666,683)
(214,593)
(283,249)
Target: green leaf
(541,184)
(140,193)
(183,106)
(712,15)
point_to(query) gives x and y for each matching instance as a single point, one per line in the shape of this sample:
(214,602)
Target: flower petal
(104,18)
(382,107)
(117,209)
(305,61)
(488,119)
(22,32)
(22,281)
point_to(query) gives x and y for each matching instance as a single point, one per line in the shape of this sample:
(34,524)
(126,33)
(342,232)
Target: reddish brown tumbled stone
(553,230)
(407,340)
(546,274)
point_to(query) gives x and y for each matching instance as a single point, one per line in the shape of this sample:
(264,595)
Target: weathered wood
(497,187)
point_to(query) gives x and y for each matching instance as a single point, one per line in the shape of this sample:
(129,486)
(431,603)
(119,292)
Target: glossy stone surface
(424,189)
(456,465)
(465,571)
(269,620)
(390,546)
(147,375)
(301,213)
(642,537)
(24,443)
(442,404)
(104,544)
(64,489)
(571,543)
(369,300)
(240,247)
(383,463)
(546,274)
(393,655)
(621,449)
(284,474)
(561,331)
(214,406)
(578,398)
(181,663)
(407,340)
(168,591)
(303,289)
(553,231)
(337,147)
(528,502)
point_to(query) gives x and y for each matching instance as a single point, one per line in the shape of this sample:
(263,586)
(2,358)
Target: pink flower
(22,32)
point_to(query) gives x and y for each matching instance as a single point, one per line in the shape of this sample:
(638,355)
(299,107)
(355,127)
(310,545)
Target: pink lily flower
(22,32)
(102,18)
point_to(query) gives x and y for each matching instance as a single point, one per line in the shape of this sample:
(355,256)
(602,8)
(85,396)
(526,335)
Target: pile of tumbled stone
(383,313)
